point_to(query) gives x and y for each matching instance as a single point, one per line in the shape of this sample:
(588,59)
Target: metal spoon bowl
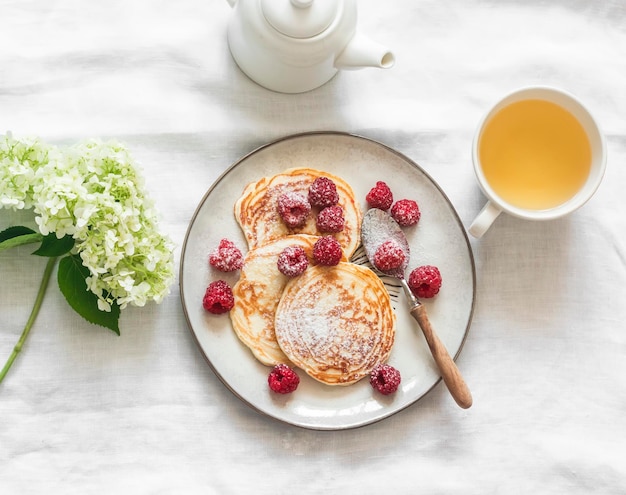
(377,227)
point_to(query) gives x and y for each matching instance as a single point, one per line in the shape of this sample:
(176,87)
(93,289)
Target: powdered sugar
(378,227)
(329,331)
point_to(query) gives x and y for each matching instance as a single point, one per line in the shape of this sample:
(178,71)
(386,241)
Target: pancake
(257,293)
(256,210)
(336,323)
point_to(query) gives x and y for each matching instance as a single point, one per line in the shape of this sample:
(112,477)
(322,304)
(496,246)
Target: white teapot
(292,46)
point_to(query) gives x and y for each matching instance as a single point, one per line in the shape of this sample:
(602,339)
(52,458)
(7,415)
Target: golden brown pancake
(256,210)
(336,323)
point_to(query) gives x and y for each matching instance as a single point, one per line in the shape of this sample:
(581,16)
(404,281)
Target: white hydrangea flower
(19,161)
(93,191)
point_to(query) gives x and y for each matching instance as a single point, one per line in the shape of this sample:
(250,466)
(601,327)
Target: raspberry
(327,251)
(218,298)
(293,208)
(389,256)
(292,261)
(405,212)
(226,257)
(380,196)
(282,379)
(323,193)
(425,281)
(331,219)
(385,379)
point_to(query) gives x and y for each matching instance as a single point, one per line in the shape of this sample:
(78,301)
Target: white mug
(496,203)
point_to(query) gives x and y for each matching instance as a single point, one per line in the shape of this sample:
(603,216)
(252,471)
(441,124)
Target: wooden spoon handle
(447,367)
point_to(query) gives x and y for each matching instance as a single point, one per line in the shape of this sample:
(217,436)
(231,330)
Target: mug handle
(485,218)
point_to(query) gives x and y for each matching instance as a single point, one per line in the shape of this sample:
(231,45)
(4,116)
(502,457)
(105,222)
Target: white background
(84,411)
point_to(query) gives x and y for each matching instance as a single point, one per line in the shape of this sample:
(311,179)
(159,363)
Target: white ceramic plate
(439,239)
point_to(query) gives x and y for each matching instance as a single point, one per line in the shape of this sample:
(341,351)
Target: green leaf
(71,277)
(16,231)
(53,247)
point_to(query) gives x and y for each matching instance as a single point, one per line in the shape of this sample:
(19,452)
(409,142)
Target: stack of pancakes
(335,323)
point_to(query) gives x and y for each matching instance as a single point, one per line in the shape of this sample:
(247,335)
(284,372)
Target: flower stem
(20,241)
(31,319)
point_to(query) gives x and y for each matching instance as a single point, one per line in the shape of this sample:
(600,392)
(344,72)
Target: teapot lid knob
(300,18)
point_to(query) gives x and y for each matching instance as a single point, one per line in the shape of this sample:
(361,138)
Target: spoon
(378,226)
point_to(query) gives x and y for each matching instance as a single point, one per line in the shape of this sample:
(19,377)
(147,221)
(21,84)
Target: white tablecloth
(84,411)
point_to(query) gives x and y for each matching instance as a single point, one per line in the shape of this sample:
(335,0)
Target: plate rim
(300,135)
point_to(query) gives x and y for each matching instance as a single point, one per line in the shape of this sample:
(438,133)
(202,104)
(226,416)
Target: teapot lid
(300,18)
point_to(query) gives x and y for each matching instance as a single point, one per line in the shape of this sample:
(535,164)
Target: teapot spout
(362,52)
